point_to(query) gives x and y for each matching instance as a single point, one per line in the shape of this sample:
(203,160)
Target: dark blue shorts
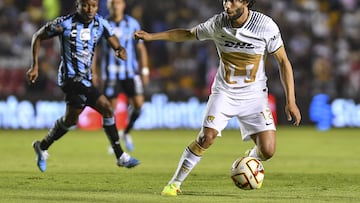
(78,95)
(130,87)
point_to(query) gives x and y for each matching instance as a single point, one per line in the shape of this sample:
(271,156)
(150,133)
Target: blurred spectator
(51,8)
(322,69)
(354,76)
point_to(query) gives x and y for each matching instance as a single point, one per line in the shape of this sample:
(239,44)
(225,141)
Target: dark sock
(113,137)
(134,115)
(54,133)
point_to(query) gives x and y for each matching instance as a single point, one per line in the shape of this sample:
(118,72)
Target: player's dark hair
(250,3)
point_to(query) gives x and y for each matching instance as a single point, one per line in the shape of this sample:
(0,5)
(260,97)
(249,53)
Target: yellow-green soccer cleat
(170,190)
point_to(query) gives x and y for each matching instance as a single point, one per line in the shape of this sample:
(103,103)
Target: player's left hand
(293,113)
(121,53)
(32,74)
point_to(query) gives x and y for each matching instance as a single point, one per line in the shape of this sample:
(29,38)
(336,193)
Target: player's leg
(61,127)
(103,106)
(214,122)
(265,145)
(193,153)
(134,110)
(258,125)
(111,90)
(113,101)
(134,90)
(189,159)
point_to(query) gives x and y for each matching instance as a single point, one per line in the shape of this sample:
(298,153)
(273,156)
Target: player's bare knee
(210,138)
(267,152)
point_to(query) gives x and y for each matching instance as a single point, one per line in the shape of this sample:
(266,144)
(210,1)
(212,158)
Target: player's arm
(287,80)
(33,73)
(120,51)
(95,67)
(174,35)
(144,62)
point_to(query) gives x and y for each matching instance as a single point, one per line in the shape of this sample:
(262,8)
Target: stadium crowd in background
(321,37)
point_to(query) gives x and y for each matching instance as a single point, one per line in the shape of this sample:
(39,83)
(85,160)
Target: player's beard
(238,13)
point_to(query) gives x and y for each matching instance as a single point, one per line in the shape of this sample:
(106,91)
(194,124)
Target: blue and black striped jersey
(112,67)
(78,41)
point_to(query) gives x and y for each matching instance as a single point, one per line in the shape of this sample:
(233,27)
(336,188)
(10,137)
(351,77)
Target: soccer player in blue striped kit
(79,34)
(125,76)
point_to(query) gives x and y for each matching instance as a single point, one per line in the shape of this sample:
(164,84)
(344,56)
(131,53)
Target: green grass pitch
(309,166)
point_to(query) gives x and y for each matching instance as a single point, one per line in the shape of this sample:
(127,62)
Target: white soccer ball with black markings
(247,173)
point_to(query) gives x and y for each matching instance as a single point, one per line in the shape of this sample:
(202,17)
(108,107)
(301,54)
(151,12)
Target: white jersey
(242,52)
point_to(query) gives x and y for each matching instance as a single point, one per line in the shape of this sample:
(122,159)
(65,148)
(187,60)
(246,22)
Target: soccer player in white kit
(243,39)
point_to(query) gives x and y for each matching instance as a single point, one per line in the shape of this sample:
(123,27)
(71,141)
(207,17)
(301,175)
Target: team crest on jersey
(267,114)
(210,118)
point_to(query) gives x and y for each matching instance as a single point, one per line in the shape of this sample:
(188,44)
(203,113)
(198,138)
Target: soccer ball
(247,173)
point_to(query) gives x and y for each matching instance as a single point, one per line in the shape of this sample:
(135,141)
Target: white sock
(255,153)
(125,157)
(187,162)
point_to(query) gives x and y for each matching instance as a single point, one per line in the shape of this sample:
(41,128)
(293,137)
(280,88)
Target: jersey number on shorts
(240,65)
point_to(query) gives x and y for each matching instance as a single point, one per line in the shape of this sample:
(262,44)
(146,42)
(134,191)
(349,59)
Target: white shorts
(254,115)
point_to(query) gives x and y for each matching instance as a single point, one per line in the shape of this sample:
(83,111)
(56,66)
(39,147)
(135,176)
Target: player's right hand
(293,113)
(142,35)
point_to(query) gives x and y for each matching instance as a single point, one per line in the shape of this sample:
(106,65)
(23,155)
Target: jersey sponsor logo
(239,45)
(85,34)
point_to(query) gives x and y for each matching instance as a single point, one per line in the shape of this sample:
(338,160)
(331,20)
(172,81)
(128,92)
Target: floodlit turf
(309,166)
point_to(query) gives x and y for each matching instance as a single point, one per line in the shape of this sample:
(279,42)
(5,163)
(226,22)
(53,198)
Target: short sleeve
(55,27)
(206,30)
(273,40)
(108,30)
